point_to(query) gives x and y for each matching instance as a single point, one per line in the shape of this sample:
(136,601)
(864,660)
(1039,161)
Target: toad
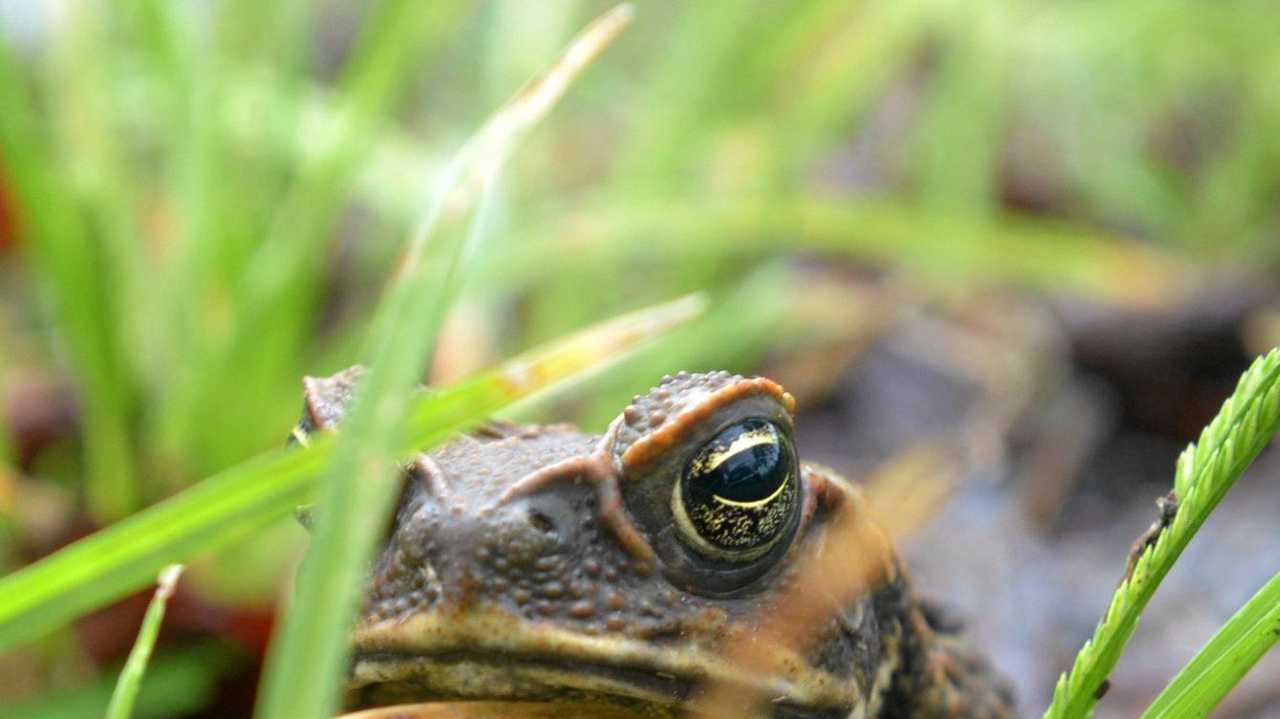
(544,563)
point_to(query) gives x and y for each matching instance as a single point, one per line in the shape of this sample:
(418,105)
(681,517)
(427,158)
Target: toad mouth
(491,655)
(470,674)
(498,709)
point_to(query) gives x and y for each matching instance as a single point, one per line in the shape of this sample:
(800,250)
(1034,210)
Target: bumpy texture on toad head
(543,563)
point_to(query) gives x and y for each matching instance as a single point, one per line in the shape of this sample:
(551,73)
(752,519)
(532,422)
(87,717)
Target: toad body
(544,563)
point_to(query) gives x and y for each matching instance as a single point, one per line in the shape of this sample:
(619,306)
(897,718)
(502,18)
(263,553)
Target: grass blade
(1008,249)
(126,693)
(88,118)
(1224,660)
(853,57)
(69,264)
(1206,470)
(246,498)
(957,138)
(125,557)
(360,485)
(692,89)
(279,278)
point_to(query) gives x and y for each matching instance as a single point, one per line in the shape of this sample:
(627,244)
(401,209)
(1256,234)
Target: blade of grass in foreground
(1205,471)
(1221,663)
(135,667)
(360,485)
(241,500)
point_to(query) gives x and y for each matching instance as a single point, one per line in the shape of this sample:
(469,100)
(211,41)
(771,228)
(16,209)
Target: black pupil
(751,472)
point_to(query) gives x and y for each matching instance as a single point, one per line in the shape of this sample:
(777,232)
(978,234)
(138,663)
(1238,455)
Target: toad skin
(544,563)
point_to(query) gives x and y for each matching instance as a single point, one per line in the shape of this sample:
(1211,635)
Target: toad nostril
(542,522)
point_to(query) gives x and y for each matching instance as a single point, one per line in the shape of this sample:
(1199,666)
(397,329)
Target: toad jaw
(488,654)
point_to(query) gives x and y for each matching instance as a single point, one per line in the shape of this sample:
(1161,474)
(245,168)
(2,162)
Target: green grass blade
(176,60)
(311,651)
(1206,470)
(125,557)
(8,452)
(8,489)
(246,498)
(1224,660)
(68,261)
(90,119)
(844,66)
(1008,249)
(958,135)
(279,280)
(135,667)
(690,94)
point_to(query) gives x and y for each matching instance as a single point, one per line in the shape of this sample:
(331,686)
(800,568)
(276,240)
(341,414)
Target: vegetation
(201,203)
(135,667)
(1248,421)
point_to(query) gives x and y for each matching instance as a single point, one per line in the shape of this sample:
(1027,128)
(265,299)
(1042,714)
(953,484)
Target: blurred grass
(209,197)
(178,683)
(277,281)
(75,284)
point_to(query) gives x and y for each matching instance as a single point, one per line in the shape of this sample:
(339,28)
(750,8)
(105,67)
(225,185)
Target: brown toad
(539,562)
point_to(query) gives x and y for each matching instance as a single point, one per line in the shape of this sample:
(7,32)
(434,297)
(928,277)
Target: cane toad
(540,562)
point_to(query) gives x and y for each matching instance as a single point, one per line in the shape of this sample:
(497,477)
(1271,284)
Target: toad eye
(736,496)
